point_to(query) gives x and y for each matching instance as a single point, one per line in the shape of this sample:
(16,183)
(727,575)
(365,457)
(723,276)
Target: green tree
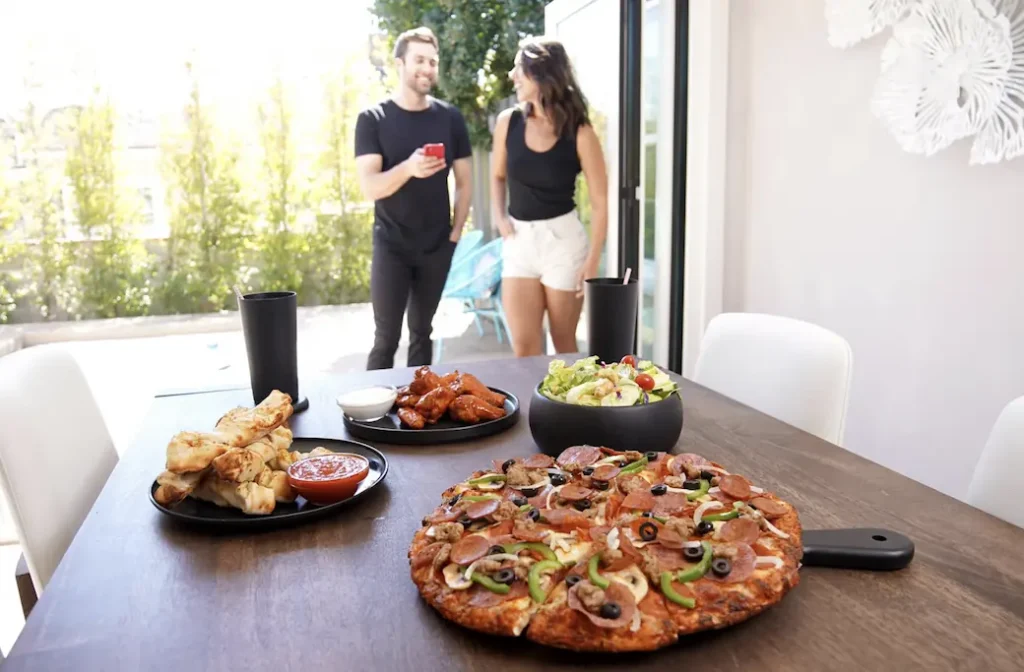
(210,216)
(341,240)
(49,256)
(281,250)
(112,268)
(10,248)
(479,40)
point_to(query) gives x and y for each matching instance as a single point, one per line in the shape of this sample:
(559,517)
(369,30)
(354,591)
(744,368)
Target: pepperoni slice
(669,559)
(574,493)
(742,560)
(669,503)
(615,592)
(599,533)
(444,514)
(743,530)
(482,509)
(605,472)
(540,500)
(502,529)
(724,498)
(469,548)
(482,598)
(619,564)
(539,461)
(629,550)
(426,555)
(735,486)
(565,520)
(639,499)
(769,507)
(524,531)
(611,507)
(670,539)
(583,456)
(634,526)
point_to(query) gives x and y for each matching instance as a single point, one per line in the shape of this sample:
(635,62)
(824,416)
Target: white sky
(136,49)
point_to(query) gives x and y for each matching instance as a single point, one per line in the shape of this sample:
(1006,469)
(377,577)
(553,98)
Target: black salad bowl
(556,425)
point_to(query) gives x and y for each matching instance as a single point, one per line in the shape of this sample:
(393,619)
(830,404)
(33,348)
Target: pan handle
(859,548)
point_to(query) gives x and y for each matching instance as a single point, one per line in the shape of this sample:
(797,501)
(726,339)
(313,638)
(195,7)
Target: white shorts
(550,250)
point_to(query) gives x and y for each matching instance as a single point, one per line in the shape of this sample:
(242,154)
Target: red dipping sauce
(326,479)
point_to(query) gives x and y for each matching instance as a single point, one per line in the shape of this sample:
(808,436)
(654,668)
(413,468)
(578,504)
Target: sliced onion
(430,531)
(613,539)
(717,470)
(538,485)
(635,625)
(699,513)
(547,502)
(692,544)
(607,460)
(756,490)
(714,490)
(766,560)
(776,531)
(490,485)
(497,556)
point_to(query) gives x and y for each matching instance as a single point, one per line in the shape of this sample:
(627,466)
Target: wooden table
(137,592)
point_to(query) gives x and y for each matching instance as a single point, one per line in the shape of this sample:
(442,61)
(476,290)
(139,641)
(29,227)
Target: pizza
(602,550)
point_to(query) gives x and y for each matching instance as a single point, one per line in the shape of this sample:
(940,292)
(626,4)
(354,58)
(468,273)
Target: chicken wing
(193,451)
(175,487)
(406,400)
(471,409)
(424,380)
(470,384)
(434,404)
(411,418)
(239,465)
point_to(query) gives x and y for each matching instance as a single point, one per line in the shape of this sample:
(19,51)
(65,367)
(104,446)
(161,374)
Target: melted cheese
(576,553)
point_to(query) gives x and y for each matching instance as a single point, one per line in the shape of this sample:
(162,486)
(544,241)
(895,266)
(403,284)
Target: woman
(540,146)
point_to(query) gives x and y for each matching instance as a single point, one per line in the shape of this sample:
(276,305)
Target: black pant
(399,279)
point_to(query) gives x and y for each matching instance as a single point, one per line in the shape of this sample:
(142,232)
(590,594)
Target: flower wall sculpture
(952,69)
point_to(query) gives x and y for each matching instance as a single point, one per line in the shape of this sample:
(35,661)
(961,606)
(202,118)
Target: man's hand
(420,165)
(455,235)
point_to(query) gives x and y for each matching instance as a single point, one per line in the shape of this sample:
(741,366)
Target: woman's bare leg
(563,317)
(524,308)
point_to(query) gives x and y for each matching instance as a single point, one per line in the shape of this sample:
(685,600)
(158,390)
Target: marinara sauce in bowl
(326,479)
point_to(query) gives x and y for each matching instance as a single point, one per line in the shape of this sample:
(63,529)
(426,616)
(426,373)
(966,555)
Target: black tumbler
(269,326)
(611,317)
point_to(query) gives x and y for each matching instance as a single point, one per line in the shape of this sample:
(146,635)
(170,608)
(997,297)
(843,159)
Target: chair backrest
(55,452)
(478,275)
(999,475)
(797,372)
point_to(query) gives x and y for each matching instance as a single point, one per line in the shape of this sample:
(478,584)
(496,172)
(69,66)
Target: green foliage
(210,220)
(479,40)
(10,249)
(112,270)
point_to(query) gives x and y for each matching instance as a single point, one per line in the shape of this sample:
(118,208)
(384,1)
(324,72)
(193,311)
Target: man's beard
(420,87)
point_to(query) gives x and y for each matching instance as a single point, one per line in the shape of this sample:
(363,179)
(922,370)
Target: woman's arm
(499,164)
(588,146)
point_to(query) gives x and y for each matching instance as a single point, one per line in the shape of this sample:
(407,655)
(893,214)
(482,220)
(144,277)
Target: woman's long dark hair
(545,62)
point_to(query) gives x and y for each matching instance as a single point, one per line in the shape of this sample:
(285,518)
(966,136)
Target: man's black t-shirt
(418,215)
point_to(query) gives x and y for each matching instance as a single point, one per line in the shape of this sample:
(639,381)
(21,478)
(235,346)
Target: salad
(587,382)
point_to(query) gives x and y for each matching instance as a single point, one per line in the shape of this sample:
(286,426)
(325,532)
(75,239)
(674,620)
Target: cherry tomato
(629,359)
(645,382)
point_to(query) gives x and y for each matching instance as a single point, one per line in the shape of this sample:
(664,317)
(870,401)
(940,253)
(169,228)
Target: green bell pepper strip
(698,570)
(660,520)
(670,593)
(595,576)
(634,467)
(525,507)
(490,584)
(537,547)
(533,578)
(489,478)
(703,490)
(722,516)
(479,498)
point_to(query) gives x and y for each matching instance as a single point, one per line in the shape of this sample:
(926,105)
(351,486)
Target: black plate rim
(285,519)
(424,437)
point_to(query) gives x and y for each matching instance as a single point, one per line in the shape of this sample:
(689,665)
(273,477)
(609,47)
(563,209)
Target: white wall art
(851,21)
(951,69)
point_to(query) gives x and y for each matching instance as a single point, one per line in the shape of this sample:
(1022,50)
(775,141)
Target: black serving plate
(389,429)
(556,425)
(207,514)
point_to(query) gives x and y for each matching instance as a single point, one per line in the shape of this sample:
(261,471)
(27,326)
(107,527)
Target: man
(413,233)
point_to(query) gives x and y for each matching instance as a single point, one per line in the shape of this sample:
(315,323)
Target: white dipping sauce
(367,397)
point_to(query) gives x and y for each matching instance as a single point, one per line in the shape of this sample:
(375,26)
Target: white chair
(55,452)
(791,370)
(999,475)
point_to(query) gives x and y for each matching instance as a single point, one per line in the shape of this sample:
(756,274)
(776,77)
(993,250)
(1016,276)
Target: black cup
(611,317)
(269,326)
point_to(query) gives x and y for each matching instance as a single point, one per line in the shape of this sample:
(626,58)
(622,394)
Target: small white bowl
(368,404)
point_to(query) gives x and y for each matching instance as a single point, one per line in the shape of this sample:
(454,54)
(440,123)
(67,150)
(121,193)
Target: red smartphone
(435,150)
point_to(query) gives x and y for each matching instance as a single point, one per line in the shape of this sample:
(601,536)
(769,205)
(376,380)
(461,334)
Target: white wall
(916,261)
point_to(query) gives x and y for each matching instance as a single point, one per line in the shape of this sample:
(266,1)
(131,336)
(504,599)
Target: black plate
(207,514)
(389,429)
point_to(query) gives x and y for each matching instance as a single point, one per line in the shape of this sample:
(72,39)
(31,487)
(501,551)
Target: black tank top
(541,185)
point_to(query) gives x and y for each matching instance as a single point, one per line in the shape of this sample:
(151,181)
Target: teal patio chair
(475,279)
(469,241)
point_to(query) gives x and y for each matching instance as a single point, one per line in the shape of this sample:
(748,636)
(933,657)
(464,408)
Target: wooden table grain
(136,591)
